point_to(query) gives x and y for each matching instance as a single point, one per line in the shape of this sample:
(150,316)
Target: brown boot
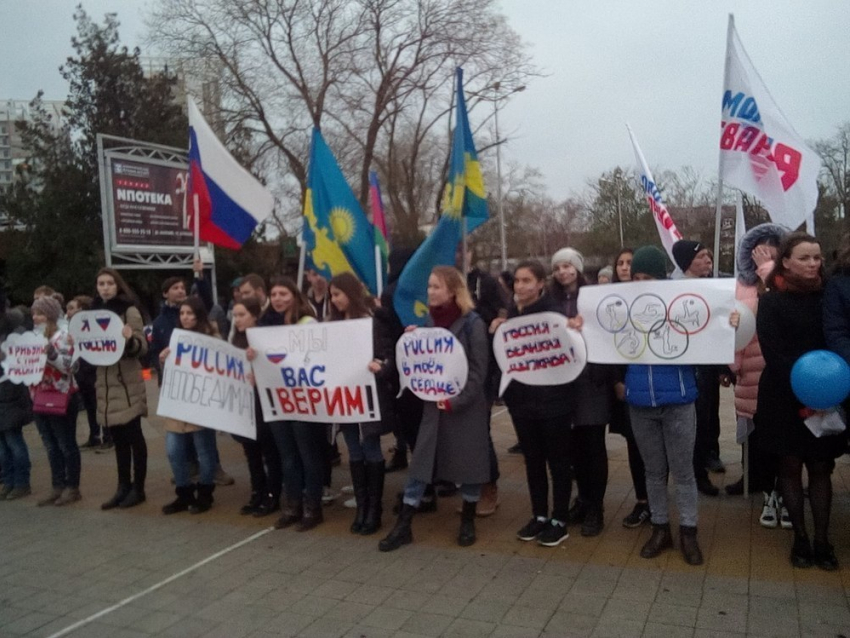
(690,547)
(660,540)
(489,499)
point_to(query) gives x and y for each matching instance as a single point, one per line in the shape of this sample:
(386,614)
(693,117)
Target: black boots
(466,534)
(375,495)
(690,548)
(253,504)
(185,498)
(398,461)
(401,533)
(593,520)
(292,512)
(312,516)
(134,497)
(660,540)
(120,494)
(204,500)
(577,512)
(361,495)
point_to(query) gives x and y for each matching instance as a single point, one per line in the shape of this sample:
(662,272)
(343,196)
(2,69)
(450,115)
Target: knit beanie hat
(48,307)
(649,260)
(684,252)
(571,256)
(608,271)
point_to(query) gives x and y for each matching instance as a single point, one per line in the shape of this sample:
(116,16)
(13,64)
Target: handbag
(51,402)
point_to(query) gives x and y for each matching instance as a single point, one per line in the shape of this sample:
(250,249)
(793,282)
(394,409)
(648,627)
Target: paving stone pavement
(59,566)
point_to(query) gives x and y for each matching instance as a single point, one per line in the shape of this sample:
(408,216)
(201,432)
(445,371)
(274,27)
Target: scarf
(790,282)
(444,316)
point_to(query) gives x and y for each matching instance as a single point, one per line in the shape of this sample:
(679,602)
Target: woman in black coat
(789,324)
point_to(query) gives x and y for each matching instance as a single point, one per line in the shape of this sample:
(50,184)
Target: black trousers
(708,418)
(131,453)
(545,445)
(590,462)
(264,466)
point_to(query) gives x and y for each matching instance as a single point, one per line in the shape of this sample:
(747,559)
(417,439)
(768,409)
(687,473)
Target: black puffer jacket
(15,404)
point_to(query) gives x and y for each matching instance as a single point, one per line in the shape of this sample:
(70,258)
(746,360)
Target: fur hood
(744,258)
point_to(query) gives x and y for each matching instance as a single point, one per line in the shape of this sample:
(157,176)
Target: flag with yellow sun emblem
(464,197)
(337,234)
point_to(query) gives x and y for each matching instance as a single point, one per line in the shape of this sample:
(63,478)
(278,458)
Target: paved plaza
(137,573)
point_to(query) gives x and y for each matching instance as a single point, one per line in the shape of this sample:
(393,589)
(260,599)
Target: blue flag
(464,197)
(338,236)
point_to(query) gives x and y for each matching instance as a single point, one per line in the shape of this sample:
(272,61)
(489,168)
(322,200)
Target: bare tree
(835,153)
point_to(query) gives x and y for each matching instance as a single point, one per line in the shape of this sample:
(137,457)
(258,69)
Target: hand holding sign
(98,336)
(431,363)
(538,349)
(25,356)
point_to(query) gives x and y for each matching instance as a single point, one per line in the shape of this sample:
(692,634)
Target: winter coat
(659,385)
(836,314)
(15,403)
(789,325)
(539,401)
(121,393)
(453,445)
(386,382)
(169,319)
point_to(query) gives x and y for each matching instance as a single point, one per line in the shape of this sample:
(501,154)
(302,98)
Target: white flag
(760,152)
(663,222)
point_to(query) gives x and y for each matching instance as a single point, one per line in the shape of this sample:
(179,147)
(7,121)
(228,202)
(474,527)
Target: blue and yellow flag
(338,236)
(464,197)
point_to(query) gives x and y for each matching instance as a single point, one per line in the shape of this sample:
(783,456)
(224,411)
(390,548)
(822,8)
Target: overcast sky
(657,64)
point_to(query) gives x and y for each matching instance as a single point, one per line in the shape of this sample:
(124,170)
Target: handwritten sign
(683,321)
(97,336)
(316,372)
(205,382)
(25,356)
(538,349)
(431,363)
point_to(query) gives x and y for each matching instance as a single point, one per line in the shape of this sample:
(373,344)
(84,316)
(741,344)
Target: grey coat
(453,445)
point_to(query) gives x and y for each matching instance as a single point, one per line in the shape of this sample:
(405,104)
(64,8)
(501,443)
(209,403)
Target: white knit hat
(571,256)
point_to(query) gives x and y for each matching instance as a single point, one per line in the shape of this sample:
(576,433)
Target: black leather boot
(120,495)
(401,534)
(361,496)
(689,545)
(312,516)
(292,512)
(593,520)
(253,504)
(134,497)
(375,490)
(660,540)
(185,498)
(466,534)
(204,500)
(577,512)
(398,461)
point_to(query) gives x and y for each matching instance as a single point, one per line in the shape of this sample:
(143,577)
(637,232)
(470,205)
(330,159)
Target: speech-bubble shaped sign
(25,356)
(538,349)
(431,363)
(97,336)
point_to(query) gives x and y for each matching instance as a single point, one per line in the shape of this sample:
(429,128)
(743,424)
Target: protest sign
(25,356)
(683,321)
(205,382)
(538,349)
(316,372)
(431,363)
(97,336)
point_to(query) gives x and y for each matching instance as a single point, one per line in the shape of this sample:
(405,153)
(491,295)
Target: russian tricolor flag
(230,201)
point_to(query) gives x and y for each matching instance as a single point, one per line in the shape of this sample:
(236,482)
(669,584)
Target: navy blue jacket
(836,314)
(657,385)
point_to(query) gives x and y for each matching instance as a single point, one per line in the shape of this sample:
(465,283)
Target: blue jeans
(14,458)
(302,453)
(59,435)
(366,449)
(176,444)
(414,490)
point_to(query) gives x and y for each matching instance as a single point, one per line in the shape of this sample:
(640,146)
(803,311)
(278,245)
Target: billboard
(147,204)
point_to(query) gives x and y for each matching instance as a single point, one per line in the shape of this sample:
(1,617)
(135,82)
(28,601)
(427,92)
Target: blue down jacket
(654,386)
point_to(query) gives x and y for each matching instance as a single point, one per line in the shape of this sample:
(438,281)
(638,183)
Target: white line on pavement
(170,579)
(498,412)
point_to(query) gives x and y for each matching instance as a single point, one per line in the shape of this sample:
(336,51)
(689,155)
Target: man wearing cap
(694,260)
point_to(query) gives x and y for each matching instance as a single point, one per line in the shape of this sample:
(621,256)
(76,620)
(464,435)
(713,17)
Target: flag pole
(379,270)
(718,212)
(302,257)
(197,224)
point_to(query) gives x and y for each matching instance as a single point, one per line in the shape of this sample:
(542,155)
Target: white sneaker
(328,496)
(784,517)
(347,489)
(350,503)
(768,516)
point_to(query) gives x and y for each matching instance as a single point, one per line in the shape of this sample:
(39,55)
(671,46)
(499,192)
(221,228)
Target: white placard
(25,356)
(205,382)
(538,349)
(431,363)
(316,372)
(97,336)
(656,322)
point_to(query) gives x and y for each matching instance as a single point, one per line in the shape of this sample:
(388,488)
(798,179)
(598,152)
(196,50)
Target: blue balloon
(820,379)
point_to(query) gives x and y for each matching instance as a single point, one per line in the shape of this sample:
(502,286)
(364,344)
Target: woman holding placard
(349,300)
(15,413)
(193,318)
(263,458)
(301,445)
(789,324)
(55,407)
(454,434)
(121,392)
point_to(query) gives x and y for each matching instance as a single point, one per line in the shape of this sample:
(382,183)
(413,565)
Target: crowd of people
(668,414)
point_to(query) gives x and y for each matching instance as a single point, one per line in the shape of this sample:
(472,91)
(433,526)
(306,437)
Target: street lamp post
(616,183)
(499,204)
